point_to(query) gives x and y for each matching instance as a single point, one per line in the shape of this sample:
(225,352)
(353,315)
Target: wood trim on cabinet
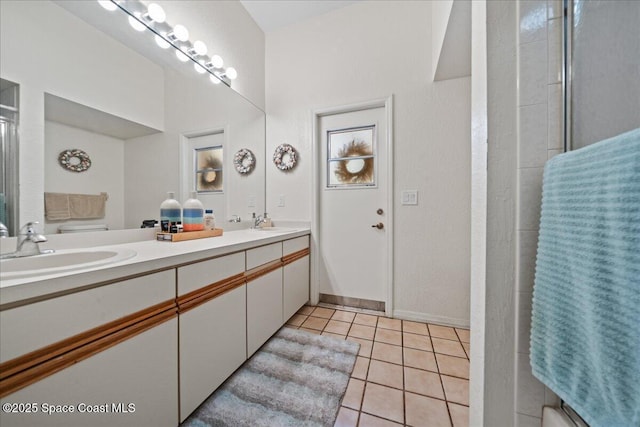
(292,257)
(29,368)
(253,274)
(200,296)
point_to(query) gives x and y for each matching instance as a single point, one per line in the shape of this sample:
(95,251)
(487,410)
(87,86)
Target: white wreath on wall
(285,157)
(244,161)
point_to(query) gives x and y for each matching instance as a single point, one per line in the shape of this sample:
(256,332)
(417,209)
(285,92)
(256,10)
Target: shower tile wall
(539,139)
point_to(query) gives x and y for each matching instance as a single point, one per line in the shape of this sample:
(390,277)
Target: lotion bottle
(209,220)
(170,210)
(193,214)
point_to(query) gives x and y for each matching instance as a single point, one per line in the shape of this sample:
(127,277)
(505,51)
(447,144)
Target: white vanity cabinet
(264,294)
(212,305)
(122,372)
(295,280)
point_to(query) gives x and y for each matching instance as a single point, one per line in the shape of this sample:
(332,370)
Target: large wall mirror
(149,123)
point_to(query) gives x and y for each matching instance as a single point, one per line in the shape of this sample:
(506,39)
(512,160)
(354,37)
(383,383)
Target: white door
(353,208)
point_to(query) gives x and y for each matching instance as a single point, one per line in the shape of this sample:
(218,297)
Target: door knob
(379,226)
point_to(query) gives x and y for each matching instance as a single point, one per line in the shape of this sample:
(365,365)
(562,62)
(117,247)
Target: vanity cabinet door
(133,383)
(212,346)
(295,275)
(264,308)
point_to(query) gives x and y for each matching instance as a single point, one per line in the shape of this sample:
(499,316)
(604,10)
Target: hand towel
(56,206)
(87,206)
(585,328)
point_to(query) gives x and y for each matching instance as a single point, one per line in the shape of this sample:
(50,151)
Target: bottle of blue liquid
(170,211)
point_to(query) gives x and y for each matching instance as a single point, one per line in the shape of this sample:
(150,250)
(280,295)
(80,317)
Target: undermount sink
(276,229)
(38,265)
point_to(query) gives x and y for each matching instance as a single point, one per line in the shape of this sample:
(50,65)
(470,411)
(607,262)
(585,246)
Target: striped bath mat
(295,379)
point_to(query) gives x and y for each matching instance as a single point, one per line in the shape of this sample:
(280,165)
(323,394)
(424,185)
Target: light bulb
(156,12)
(199,66)
(107,4)
(162,42)
(136,24)
(214,79)
(216,61)
(181,56)
(200,48)
(181,33)
(232,73)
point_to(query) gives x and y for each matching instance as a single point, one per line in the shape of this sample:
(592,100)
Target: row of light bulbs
(197,51)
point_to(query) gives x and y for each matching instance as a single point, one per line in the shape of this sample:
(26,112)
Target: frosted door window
(208,169)
(351,157)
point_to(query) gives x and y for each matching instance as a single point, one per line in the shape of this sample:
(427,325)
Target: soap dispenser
(193,214)
(170,211)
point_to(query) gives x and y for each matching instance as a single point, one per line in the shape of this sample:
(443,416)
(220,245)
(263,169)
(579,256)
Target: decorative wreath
(355,171)
(244,161)
(285,157)
(74,160)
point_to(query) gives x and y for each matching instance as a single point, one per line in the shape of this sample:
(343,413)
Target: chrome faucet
(4,232)
(235,218)
(28,240)
(258,220)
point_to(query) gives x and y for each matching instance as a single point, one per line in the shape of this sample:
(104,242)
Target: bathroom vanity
(145,340)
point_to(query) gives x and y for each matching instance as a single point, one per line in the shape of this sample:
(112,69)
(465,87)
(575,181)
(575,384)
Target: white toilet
(64,229)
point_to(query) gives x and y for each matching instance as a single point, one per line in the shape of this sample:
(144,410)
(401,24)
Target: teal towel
(585,327)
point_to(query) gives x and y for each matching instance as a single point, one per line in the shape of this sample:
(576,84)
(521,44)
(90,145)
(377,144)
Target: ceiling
(271,15)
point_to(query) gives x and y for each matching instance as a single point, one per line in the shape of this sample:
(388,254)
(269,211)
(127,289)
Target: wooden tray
(188,235)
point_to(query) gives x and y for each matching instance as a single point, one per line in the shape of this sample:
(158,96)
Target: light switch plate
(281,201)
(409,197)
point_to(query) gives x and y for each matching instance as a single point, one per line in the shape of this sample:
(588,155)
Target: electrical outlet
(409,197)
(251,201)
(281,201)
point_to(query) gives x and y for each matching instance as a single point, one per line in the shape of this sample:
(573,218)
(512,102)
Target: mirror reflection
(135,113)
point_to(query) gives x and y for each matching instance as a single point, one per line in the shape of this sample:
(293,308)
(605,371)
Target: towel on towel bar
(61,206)
(585,326)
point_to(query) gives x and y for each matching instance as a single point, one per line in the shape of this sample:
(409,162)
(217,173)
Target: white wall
(365,51)
(106,173)
(229,31)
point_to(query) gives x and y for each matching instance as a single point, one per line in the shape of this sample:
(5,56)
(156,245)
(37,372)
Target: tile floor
(406,374)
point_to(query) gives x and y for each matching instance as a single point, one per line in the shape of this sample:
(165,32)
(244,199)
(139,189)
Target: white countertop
(151,255)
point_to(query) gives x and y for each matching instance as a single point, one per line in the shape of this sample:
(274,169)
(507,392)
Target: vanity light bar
(153,17)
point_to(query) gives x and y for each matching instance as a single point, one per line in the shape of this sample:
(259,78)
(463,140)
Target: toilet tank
(63,229)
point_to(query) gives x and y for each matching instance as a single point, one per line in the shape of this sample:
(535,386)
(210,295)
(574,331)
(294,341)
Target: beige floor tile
(317,323)
(459,415)
(420,359)
(353,396)
(464,335)
(306,309)
(331,334)
(367,420)
(419,342)
(389,336)
(423,382)
(452,348)
(365,346)
(387,352)
(442,332)
(384,373)
(415,327)
(365,319)
(362,331)
(456,389)
(361,368)
(467,349)
(338,327)
(386,323)
(384,402)
(424,411)
(343,316)
(325,313)
(453,366)
(346,418)
(296,320)
(313,331)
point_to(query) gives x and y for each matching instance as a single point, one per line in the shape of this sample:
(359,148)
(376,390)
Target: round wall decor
(244,161)
(285,157)
(74,160)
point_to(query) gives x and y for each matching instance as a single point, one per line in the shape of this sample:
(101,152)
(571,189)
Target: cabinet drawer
(264,254)
(198,275)
(30,327)
(295,245)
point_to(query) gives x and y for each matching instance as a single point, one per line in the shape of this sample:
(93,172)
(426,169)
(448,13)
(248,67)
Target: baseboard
(429,318)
